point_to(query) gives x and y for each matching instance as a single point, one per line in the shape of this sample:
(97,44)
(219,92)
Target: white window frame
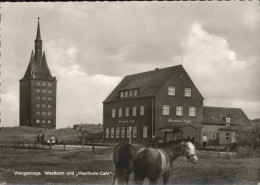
(49,98)
(38,112)
(228,120)
(117,132)
(112,132)
(43,98)
(43,105)
(44,91)
(49,91)
(179,110)
(128,131)
(166,110)
(49,106)
(171,90)
(113,113)
(43,113)
(43,83)
(145,131)
(37,121)
(49,121)
(122,132)
(107,132)
(134,132)
(142,110)
(127,112)
(134,111)
(38,83)
(135,92)
(131,93)
(126,94)
(49,113)
(49,84)
(38,98)
(38,105)
(187,92)
(122,94)
(43,121)
(192,111)
(38,90)
(120,110)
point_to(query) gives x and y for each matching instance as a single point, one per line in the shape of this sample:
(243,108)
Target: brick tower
(38,90)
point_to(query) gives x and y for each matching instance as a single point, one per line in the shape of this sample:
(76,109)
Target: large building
(38,91)
(163,103)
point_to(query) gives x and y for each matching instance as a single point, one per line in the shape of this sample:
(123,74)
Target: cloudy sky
(91,46)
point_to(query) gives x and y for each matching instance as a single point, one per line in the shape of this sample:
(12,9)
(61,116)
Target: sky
(91,46)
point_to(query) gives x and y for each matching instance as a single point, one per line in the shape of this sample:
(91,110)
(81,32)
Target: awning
(175,127)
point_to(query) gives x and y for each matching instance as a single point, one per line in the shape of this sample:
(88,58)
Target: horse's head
(189,152)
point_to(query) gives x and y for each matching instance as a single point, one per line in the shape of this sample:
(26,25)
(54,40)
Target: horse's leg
(127,178)
(138,180)
(166,178)
(153,181)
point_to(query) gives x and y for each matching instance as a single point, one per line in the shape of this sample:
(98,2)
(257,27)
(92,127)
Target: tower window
(38,105)
(123,132)
(126,111)
(38,90)
(145,132)
(44,90)
(49,106)
(49,121)
(38,83)
(37,121)
(128,133)
(113,113)
(49,113)
(134,132)
(120,112)
(49,91)
(43,83)
(49,84)
(112,132)
(228,120)
(37,112)
(38,97)
(43,121)
(117,132)
(49,98)
(43,113)
(43,98)
(43,105)
(107,132)
(134,111)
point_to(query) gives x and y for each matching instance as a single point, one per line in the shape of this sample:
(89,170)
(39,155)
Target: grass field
(209,170)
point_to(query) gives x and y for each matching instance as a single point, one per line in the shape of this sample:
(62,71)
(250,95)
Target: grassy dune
(209,170)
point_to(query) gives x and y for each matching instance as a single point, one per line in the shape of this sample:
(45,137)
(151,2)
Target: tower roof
(38,67)
(38,35)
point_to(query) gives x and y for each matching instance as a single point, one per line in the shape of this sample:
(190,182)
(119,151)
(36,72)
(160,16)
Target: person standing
(204,141)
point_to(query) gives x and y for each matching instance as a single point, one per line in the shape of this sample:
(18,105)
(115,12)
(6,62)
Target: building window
(43,98)
(122,94)
(213,136)
(120,112)
(134,111)
(192,111)
(37,121)
(126,111)
(113,113)
(49,121)
(43,121)
(166,110)
(135,92)
(43,83)
(128,132)
(43,105)
(49,98)
(37,112)
(107,132)
(141,110)
(43,113)
(38,90)
(187,92)
(134,132)
(126,94)
(179,111)
(49,84)
(228,120)
(131,93)
(49,91)
(123,132)
(171,90)
(38,105)
(49,106)
(49,113)
(227,136)
(38,83)
(117,132)
(145,132)
(112,132)
(38,97)
(44,90)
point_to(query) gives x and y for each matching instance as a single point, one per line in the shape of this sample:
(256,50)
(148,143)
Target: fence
(60,146)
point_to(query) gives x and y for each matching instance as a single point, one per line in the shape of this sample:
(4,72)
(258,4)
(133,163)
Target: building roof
(256,122)
(218,115)
(149,83)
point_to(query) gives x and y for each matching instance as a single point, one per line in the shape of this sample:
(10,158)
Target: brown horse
(123,158)
(152,163)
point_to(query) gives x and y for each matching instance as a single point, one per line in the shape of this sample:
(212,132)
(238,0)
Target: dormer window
(171,91)
(122,95)
(131,93)
(135,92)
(126,94)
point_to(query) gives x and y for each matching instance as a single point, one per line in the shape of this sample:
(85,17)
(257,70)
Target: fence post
(29,144)
(93,148)
(64,145)
(50,145)
(218,152)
